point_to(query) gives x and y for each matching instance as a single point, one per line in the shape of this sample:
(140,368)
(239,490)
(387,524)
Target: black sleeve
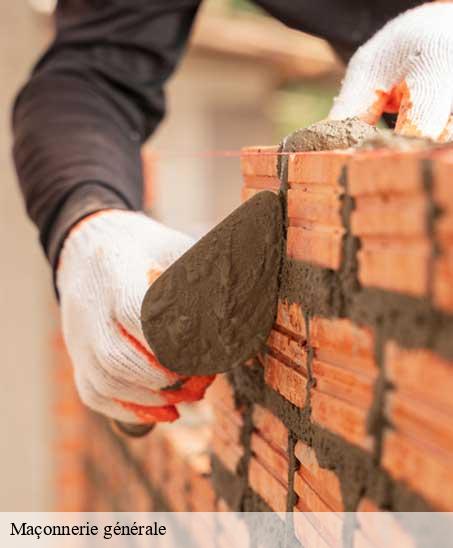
(91,101)
(346,24)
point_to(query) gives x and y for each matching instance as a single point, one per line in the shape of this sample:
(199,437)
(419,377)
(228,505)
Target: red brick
(322,168)
(342,418)
(379,528)
(421,374)
(291,318)
(288,349)
(443,276)
(343,343)
(442,175)
(227,425)
(311,209)
(423,471)
(267,486)
(273,460)
(228,452)
(221,392)
(270,428)
(389,215)
(395,264)
(261,182)
(321,245)
(259,161)
(322,481)
(420,420)
(288,382)
(247,193)
(201,495)
(307,533)
(318,528)
(342,383)
(385,171)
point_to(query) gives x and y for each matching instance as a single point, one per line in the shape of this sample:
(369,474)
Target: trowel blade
(213,309)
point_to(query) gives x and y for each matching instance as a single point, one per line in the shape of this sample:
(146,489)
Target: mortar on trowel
(214,308)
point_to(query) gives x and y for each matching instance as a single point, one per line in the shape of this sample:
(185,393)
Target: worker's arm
(405,68)
(346,24)
(79,123)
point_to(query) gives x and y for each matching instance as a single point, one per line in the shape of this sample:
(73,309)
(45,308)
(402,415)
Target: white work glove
(406,67)
(107,263)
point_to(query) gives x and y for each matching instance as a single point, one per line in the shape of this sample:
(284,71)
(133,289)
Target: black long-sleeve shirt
(97,93)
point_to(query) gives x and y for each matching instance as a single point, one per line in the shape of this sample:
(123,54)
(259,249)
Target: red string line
(215,154)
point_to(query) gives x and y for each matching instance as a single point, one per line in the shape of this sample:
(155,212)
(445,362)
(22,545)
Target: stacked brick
(348,406)
(268,466)
(343,368)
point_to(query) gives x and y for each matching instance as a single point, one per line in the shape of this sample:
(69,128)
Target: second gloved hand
(106,266)
(406,67)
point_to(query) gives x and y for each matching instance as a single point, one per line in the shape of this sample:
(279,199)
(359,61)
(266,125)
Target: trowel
(213,309)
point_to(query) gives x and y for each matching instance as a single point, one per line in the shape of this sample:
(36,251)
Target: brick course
(337,402)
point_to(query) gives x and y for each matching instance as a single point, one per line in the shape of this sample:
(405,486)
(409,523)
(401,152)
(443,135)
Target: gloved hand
(406,67)
(106,265)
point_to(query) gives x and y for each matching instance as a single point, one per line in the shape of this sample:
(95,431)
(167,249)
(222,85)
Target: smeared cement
(330,135)
(386,138)
(213,309)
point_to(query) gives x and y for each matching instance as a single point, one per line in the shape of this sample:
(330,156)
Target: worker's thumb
(426,105)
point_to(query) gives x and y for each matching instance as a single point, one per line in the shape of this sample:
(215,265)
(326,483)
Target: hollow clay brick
(318,527)
(270,428)
(427,473)
(312,209)
(306,532)
(343,343)
(291,318)
(288,349)
(323,482)
(222,392)
(442,175)
(443,276)
(259,161)
(389,215)
(385,171)
(288,382)
(275,462)
(228,452)
(378,528)
(261,182)
(322,168)
(342,383)
(421,421)
(270,489)
(320,246)
(421,374)
(340,417)
(399,265)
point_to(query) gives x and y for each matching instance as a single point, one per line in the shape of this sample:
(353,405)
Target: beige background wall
(25,295)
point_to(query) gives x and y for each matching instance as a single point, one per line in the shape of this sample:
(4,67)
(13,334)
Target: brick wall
(349,406)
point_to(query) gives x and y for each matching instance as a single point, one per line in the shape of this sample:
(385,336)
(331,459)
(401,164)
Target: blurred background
(246,80)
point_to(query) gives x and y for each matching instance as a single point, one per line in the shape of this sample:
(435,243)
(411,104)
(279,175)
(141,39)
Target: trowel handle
(132,430)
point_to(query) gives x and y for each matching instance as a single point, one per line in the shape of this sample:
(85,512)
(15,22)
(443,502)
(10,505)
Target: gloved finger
(148,414)
(121,410)
(427,103)
(105,406)
(112,387)
(365,90)
(125,358)
(189,391)
(128,305)
(132,354)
